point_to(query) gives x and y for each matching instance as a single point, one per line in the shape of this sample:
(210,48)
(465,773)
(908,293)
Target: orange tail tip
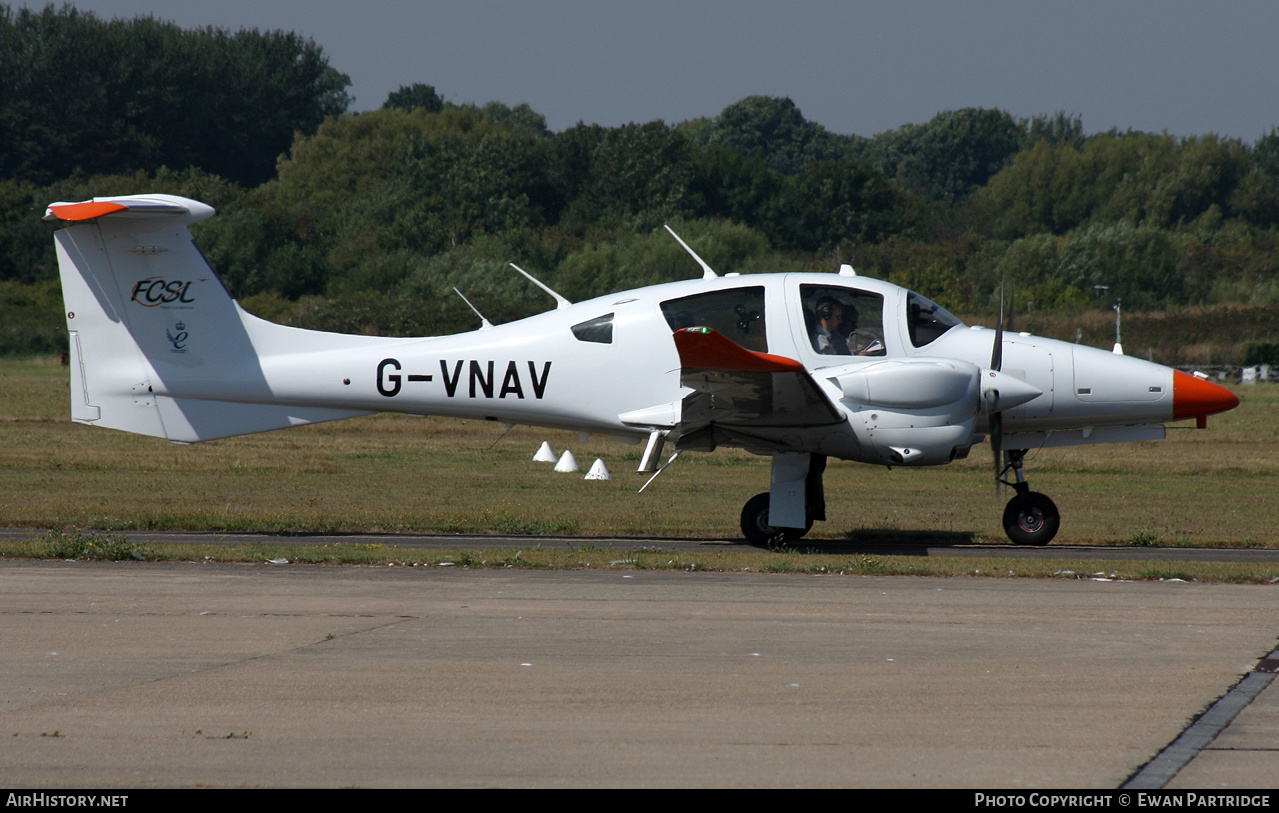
(87,210)
(1196,398)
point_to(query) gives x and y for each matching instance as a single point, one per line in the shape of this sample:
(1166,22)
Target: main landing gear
(786,513)
(1030,518)
(759,533)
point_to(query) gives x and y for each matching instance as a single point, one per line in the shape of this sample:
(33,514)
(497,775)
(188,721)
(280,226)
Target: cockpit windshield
(926,321)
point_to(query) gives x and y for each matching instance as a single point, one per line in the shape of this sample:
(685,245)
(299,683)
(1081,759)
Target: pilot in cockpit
(829,334)
(835,330)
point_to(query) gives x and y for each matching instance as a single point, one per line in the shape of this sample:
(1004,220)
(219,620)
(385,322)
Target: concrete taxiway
(144,674)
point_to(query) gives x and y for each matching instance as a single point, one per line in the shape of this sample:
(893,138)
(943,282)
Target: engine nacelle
(912,412)
(910,383)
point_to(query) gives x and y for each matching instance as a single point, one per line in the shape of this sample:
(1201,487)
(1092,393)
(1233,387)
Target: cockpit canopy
(835,318)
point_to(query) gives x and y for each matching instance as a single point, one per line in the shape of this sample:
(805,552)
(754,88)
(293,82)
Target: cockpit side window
(843,321)
(599,330)
(737,313)
(926,321)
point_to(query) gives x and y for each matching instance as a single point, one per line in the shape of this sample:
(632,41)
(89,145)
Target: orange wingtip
(1193,397)
(702,348)
(85,211)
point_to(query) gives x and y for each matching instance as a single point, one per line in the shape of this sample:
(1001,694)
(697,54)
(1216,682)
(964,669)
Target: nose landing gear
(1030,518)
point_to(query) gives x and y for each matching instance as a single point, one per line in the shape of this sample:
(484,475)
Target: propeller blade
(996,418)
(1012,305)
(996,445)
(997,354)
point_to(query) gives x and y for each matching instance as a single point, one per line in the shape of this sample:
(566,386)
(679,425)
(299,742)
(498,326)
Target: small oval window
(598,330)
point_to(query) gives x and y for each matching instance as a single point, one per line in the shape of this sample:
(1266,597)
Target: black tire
(759,533)
(1031,519)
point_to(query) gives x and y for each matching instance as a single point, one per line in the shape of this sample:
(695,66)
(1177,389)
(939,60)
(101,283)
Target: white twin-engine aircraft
(800,367)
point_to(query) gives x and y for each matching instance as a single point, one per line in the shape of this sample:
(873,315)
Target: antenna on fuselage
(560,302)
(486,324)
(505,431)
(707,271)
(650,480)
(1119,343)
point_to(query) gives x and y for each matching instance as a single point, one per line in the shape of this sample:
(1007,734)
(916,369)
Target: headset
(825,310)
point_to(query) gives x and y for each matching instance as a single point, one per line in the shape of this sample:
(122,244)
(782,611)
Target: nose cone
(1001,391)
(1196,398)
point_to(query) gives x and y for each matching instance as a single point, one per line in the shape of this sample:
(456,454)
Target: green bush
(1260,353)
(104,546)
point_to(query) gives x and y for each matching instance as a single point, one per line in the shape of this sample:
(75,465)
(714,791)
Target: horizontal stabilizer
(131,206)
(191,420)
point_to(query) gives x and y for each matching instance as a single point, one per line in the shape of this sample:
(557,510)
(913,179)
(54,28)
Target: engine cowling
(922,411)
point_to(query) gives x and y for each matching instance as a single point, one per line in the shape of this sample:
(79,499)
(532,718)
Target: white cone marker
(544,454)
(567,462)
(598,471)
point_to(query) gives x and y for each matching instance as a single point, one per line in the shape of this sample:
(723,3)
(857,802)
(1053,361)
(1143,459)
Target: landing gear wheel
(1031,519)
(759,533)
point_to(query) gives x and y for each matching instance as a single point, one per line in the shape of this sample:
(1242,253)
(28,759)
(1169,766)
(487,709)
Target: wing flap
(741,390)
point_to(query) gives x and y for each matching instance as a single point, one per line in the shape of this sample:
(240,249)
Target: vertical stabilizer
(158,346)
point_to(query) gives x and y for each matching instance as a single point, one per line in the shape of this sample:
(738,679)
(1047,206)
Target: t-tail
(157,345)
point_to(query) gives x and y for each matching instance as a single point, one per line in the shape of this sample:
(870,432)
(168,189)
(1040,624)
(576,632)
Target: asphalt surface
(139,674)
(899,543)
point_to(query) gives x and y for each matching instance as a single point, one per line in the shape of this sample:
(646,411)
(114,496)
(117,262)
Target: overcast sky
(855,67)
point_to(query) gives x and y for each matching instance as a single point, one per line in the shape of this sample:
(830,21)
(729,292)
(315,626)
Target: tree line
(366,221)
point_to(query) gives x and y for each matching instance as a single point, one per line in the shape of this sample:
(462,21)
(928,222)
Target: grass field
(391,473)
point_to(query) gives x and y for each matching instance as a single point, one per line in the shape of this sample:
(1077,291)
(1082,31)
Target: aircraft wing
(740,395)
